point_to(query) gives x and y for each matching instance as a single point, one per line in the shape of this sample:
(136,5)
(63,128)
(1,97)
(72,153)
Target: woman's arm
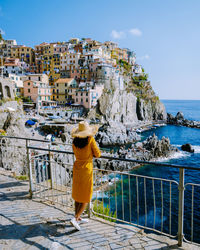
(95,150)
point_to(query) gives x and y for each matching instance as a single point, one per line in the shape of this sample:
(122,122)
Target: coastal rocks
(114,133)
(158,148)
(12,152)
(187,147)
(181,121)
(150,149)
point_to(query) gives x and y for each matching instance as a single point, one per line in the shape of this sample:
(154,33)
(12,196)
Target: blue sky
(164,34)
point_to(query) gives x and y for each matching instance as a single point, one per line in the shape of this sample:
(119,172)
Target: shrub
(99,208)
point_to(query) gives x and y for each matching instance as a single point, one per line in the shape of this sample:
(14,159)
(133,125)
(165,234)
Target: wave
(176,155)
(195,147)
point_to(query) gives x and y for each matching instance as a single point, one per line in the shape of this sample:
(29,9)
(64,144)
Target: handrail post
(181,206)
(29,170)
(50,167)
(89,209)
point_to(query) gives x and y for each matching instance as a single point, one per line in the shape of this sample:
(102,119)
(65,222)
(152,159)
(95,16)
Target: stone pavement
(27,224)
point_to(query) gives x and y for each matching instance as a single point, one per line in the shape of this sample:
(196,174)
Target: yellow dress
(82,187)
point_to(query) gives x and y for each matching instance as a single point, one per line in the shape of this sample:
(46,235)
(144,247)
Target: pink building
(87,96)
(37,91)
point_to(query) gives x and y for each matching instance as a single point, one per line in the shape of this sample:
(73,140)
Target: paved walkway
(26,224)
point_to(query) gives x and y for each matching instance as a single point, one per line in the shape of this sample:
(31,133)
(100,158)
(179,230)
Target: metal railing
(149,202)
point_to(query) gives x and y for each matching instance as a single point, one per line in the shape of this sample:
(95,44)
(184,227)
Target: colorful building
(37,91)
(24,53)
(61,92)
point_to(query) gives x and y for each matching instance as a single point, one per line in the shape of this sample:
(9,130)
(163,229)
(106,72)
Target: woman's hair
(80,142)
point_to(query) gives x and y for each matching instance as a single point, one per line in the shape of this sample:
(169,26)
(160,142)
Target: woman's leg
(82,207)
(76,207)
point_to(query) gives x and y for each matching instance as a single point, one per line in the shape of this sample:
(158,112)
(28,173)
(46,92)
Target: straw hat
(84,130)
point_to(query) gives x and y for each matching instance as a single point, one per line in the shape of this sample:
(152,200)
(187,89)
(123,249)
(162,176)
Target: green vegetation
(125,65)
(26,99)
(2,132)
(99,208)
(1,37)
(22,177)
(18,99)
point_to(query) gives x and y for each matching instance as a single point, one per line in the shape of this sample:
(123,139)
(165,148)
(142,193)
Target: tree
(1,37)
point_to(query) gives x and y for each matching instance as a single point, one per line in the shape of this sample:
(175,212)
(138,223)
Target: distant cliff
(128,100)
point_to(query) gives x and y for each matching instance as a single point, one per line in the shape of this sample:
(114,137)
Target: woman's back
(88,152)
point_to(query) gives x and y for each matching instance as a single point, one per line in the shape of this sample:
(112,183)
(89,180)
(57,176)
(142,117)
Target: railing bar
(66,194)
(170,208)
(145,201)
(161,188)
(61,181)
(129,187)
(154,205)
(39,170)
(48,166)
(140,226)
(56,189)
(96,186)
(102,193)
(33,166)
(115,194)
(109,197)
(122,196)
(192,213)
(137,200)
(125,160)
(43,175)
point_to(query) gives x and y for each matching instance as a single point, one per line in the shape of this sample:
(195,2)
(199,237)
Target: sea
(165,217)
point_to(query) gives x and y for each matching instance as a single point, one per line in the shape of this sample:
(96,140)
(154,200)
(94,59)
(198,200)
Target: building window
(76,94)
(86,99)
(39,78)
(87,94)
(29,91)
(29,78)
(81,94)
(29,83)
(76,99)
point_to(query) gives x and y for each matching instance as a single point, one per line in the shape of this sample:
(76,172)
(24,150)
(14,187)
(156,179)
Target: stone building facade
(7,88)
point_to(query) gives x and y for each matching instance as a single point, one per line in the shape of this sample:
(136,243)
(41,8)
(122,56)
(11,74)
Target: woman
(85,148)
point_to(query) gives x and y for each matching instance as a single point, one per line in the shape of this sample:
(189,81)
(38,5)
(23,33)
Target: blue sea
(178,136)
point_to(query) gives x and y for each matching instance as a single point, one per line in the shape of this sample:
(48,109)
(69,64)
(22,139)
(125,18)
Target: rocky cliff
(135,101)
(12,152)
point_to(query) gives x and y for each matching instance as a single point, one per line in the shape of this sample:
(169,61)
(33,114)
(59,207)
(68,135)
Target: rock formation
(150,149)
(181,121)
(128,105)
(113,133)
(187,147)
(12,151)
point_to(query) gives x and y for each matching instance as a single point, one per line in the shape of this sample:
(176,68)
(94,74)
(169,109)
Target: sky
(164,34)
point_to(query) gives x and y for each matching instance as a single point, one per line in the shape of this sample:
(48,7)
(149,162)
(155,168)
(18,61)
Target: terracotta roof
(64,80)
(10,64)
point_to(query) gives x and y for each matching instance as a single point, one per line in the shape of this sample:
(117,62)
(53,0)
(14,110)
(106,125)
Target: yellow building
(24,53)
(62,86)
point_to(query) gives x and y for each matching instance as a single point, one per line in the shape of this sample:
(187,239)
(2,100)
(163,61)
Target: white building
(17,82)
(69,61)
(36,77)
